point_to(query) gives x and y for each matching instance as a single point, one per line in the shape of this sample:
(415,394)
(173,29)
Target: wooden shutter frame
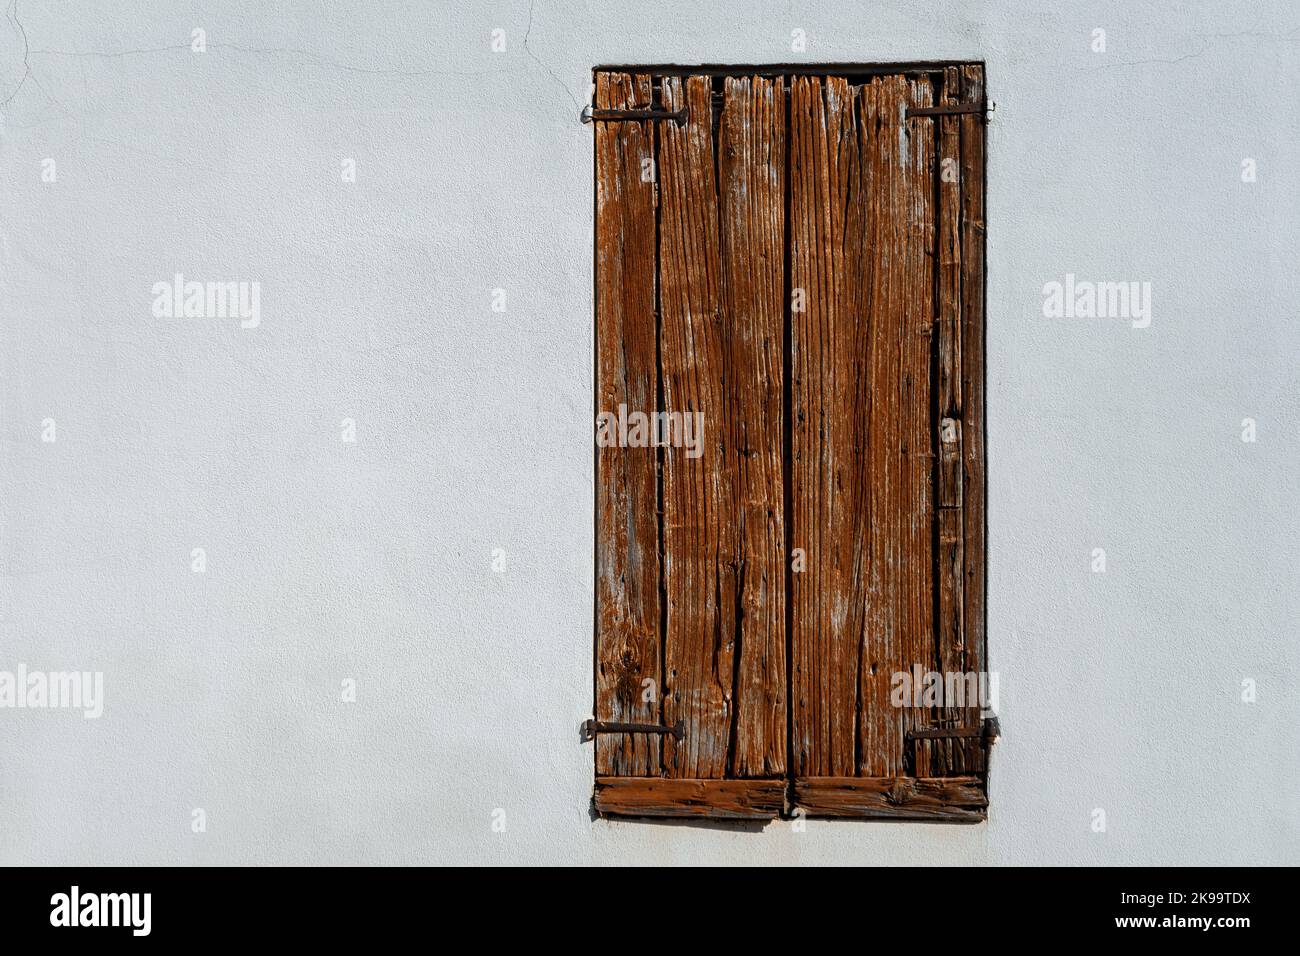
(627,783)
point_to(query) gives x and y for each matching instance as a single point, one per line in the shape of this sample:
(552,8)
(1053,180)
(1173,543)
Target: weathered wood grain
(699,520)
(950,462)
(973,369)
(828,371)
(949,235)
(951,799)
(668,797)
(627,530)
(883,251)
(751,144)
(913,255)
(881,135)
(947,756)
(899,156)
(863,449)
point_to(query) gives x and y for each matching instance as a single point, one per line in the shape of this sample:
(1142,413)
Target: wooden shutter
(800,260)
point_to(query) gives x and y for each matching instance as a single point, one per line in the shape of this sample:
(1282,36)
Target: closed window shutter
(799,261)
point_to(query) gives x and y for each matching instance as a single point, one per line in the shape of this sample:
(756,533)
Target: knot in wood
(627,676)
(898,791)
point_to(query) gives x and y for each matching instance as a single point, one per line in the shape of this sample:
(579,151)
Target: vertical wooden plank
(828,371)
(950,463)
(973,367)
(627,531)
(916,247)
(900,595)
(699,522)
(752,194)
(951,634)
(951,571)
(881,748)
(950,186)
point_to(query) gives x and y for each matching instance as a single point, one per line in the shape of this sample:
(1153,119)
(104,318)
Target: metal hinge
(590,113)
(591,728)
(957,110)
(988,732)
(988,729)
(975,743)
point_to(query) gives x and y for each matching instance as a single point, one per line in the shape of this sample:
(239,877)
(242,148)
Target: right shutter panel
(887,451)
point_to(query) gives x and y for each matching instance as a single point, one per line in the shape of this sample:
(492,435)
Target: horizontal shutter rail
(960,799)
(754,800)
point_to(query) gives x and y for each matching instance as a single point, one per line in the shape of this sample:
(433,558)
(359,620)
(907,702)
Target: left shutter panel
(717,235)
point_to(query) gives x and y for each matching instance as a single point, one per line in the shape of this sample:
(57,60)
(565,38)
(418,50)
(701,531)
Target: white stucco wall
(373,560)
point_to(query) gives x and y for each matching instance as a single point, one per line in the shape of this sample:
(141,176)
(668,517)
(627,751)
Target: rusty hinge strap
(622,116)
(988,729)
(946,110)
(591,728)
